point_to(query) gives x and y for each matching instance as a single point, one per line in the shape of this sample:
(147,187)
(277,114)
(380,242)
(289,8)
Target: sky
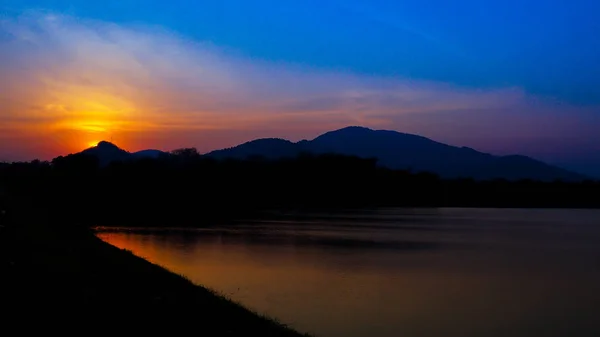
(505,77)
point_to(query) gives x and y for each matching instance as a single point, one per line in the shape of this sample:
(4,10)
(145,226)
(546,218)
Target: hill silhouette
(148,154)
(392,149)
(269,148)
(107,152)
(404,151)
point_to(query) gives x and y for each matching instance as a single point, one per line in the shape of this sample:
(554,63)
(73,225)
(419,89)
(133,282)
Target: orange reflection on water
(361,292)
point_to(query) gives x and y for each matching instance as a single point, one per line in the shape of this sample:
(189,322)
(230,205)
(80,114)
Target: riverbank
(73,282)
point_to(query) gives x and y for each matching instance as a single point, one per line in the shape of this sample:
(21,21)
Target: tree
(186,153)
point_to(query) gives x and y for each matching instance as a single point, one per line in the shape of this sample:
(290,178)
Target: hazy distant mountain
(148,154)
(405,151)
(588,165)
(270,148)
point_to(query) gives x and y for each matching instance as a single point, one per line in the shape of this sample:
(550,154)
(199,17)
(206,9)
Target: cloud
(69,76)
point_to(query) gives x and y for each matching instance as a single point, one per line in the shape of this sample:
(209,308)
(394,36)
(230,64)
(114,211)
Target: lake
(398,272)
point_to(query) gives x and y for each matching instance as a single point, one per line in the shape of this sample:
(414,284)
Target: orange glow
(83,115)
(409,291)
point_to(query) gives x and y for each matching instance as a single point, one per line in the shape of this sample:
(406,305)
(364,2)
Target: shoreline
(72,278)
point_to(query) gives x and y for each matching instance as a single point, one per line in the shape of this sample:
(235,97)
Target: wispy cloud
(89,79)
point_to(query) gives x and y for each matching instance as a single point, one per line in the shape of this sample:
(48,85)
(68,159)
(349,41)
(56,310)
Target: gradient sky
(513,76)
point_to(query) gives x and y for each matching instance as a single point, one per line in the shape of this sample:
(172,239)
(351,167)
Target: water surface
(399,272)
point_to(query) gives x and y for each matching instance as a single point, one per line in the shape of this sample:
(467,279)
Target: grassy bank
(65,279)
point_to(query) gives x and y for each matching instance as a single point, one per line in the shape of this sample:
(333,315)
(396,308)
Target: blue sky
(504,76)
(548,47)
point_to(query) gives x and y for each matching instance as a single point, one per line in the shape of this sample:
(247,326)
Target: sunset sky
(512,76)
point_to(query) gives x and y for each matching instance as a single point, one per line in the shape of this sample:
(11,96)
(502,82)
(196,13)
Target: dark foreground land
(68,281)
(55,275)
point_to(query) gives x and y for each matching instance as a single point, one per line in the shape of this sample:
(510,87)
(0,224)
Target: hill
(392,149)
(107,152)
(404,151)
(269,148)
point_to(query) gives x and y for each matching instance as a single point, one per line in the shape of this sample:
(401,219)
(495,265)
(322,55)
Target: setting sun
(92,144)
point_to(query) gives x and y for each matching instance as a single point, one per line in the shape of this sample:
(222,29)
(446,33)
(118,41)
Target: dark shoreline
(77,282)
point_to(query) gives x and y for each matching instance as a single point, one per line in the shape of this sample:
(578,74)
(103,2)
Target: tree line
(184,188)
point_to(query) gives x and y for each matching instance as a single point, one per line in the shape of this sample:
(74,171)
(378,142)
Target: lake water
(399,272)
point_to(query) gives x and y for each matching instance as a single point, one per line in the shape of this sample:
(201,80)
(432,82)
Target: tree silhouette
(186,153)
(184,188)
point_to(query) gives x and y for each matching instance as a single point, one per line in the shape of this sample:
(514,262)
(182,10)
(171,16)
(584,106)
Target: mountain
(107,152)
(397,150)
(148,154)
(587,165)
(392,149)
(270,148)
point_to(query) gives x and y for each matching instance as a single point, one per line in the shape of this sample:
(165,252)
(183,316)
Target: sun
(92,144)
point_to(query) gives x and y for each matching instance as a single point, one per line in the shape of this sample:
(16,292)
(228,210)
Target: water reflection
(398,272)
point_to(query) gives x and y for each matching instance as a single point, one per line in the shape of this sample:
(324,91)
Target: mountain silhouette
(404,151)
(269,148)
(392,149)
(107,152)
(147,154)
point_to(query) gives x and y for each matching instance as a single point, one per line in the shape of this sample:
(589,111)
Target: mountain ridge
(393,149)
(404,151)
